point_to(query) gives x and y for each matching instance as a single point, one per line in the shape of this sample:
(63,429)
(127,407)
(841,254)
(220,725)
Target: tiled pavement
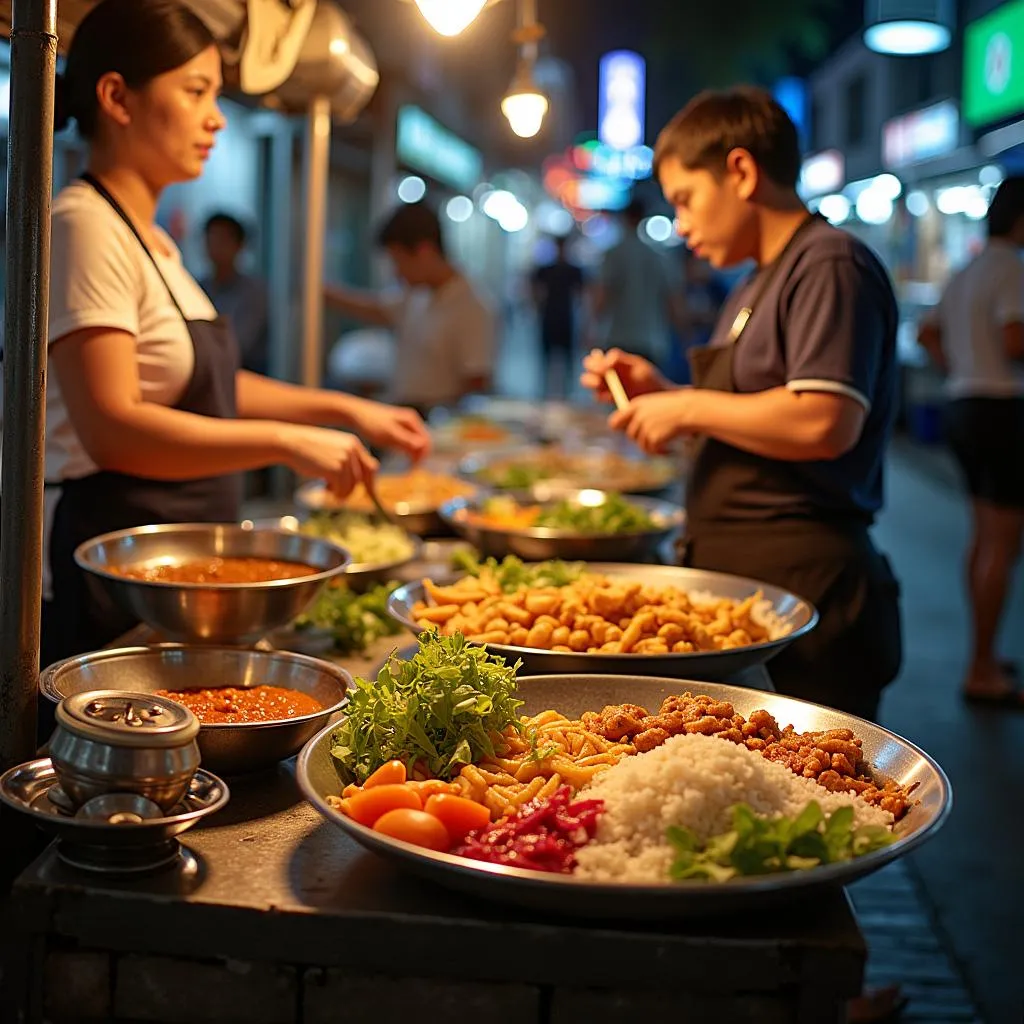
(906,947)
(972,873)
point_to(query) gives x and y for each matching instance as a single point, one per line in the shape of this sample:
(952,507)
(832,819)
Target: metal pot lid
(127,719)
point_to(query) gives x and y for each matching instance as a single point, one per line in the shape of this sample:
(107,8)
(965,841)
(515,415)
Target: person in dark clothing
(239,296)
(556,290)
(793,401)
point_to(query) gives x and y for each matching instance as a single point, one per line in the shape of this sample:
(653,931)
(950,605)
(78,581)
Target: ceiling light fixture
(908,27)
(525,104)
(450,17)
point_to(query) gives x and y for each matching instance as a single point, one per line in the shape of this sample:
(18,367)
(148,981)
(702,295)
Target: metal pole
(318,155)
(29,189)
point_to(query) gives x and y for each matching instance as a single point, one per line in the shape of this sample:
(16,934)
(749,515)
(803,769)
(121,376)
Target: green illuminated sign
(994,65)
(425,145)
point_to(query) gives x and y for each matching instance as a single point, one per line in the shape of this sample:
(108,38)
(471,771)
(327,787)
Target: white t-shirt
(101,277)
(978,302)
(443,337)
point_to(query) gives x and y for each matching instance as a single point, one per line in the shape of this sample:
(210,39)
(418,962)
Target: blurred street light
(450,17)
(524,104)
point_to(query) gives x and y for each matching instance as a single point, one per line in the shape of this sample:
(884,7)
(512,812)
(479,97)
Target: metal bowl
(228,749)
(587,468)
(422,520)
(888,755)
(358,575)
(217,613)
(788,610)
(537,543)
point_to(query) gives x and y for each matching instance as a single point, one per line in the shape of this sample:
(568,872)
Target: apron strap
(92,180)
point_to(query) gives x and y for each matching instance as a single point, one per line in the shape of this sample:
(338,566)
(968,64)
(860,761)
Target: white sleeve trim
(833,387)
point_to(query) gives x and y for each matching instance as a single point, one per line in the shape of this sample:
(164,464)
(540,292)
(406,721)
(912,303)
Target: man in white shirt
(444,329)
(977,338)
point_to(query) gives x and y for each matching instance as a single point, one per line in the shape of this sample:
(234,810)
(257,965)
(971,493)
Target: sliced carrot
(391,773)
(458,815)
(366,807)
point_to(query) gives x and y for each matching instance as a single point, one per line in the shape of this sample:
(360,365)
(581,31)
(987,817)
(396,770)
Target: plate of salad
(611,796)
(586,525)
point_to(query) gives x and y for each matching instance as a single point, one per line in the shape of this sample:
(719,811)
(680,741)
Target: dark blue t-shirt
(826,322)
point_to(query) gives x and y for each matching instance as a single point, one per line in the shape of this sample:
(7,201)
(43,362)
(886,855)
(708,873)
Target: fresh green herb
(515,476)
(354,620)
(512,574)
(764,846)
(440,707)
(614,515)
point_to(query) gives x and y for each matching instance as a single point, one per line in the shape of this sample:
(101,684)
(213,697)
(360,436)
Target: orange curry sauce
(230,704)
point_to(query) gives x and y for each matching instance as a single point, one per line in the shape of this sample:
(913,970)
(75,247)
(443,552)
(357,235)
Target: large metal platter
(600,466)
(537,543)
(890,757)
(797,614)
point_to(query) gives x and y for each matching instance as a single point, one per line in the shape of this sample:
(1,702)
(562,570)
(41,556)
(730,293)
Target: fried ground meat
(833,757)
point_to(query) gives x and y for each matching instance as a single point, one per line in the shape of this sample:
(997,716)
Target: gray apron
(80,617)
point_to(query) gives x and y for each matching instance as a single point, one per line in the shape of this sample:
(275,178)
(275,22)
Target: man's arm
(359,305)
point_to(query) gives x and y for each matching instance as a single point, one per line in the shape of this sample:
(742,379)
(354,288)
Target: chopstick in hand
(611,378)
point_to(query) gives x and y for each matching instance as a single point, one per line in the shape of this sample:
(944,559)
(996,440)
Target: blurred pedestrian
(557,288)
(444,330)
(235,294)
(637,294)
(976,336)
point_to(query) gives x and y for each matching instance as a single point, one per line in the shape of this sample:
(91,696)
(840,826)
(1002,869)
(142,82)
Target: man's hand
(653,420)
(638,376)
(389,426)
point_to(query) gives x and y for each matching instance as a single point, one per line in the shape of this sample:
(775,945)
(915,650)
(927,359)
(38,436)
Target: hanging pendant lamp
(908,27)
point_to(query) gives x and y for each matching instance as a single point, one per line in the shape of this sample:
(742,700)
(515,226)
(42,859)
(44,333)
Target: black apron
(856,649)
(80,617)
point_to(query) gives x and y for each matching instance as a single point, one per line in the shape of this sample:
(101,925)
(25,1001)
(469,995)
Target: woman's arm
(261,398)
(97,371)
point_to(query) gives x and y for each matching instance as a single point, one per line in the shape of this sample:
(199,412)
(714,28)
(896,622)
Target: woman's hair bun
(61,114)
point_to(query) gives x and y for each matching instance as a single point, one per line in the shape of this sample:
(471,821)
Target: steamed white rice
(692,781)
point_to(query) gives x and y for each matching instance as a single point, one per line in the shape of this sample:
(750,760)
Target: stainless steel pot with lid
(110,741)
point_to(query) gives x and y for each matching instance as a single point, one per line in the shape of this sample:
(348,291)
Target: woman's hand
(332,455)
(638,375)
(390,426)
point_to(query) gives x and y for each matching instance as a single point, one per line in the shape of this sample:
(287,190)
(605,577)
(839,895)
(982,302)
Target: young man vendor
(793,398)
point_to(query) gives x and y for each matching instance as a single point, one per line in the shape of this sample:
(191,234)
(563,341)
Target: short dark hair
(138,39)
(1006,208)
(233,224)
(714,123)
(409,226)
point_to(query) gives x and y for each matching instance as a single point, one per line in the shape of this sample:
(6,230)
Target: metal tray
(100,845)
(589,468)
(890,757)
(421,520)
(536,543)
(790,609)
(358,575)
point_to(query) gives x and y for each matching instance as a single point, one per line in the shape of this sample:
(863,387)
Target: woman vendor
(793,399)
(149,418)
